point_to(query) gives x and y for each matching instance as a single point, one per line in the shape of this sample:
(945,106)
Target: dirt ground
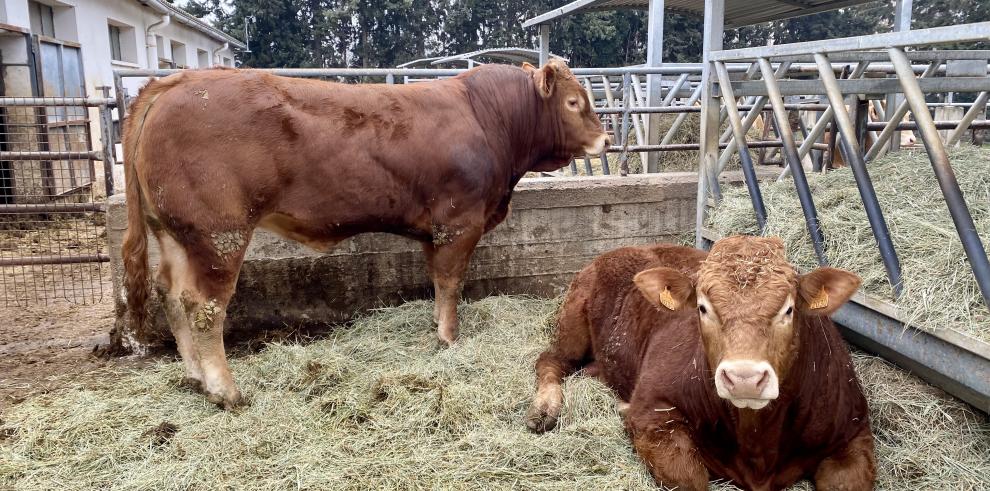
(38,343)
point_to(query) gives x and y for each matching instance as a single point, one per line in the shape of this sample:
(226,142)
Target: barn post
(712,41)
(654,58)
(902,22)
(544,43)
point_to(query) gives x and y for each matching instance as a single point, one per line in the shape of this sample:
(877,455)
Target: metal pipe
(943,172)
(978,107)
(695,146)
(151,42)
(55,101)
(38,260)
(735,122)
(51,155)
(939,125)
(27,208)
(791,156)
(854,157)
(624,157)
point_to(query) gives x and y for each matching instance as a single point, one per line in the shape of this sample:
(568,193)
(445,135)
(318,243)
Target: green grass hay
(378,406)
(939,289)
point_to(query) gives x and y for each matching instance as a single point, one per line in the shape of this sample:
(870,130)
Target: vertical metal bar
(790,153)
(854,158)
(902,22)
(609,102)
(654,58)
(979,106)
(862,116)
(604,159)
(624,156)
(943,172)
(573,167)
(587,166)
(714,28)
(389,78)
(106,137)
(544,44)
(735,122)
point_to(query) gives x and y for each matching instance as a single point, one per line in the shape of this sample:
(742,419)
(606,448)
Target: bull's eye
(572,103)
(702,309)
(790,310)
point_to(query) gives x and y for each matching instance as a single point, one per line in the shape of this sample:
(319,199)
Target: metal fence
(958,366)
(52,237)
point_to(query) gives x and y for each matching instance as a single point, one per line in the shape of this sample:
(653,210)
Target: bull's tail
(135,248)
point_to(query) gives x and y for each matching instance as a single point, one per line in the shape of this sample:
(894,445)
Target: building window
(179,55)
(123,44)
(227,61)
(115,43)
(203,58)
(42,18)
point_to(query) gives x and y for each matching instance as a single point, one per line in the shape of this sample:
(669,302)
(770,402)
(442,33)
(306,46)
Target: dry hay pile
(378,406)
(939,289)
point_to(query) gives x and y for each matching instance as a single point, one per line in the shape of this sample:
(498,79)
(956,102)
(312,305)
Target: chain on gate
(53,240)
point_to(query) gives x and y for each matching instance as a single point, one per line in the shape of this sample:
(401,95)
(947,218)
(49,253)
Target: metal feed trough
(957,363)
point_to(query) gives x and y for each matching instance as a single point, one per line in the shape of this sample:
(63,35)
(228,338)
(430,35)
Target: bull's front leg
(447,258)
(853,468)
(666,448)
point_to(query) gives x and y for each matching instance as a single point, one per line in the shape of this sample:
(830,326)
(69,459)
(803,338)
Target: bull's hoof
(232,401)
(193,384)
(447,339)
(540,420)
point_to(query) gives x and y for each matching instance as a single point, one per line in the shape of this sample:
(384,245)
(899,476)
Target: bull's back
(622,321)
(331,159)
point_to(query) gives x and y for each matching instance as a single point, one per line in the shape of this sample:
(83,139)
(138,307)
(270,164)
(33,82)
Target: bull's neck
(519,128)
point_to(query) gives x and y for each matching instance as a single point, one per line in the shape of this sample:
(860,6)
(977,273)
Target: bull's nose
(746,380)
(608,141)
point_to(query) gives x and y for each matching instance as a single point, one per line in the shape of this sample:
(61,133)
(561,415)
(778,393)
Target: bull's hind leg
(447,260)
(570,351)
(173,279)
(212,277)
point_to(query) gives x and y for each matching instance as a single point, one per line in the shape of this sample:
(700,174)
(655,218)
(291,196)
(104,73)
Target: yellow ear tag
(820,301)
(667,300)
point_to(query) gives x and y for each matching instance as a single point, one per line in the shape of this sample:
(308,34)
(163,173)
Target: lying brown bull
(214,154)
(727,364)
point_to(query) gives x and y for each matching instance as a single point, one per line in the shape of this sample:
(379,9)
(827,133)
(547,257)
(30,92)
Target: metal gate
(52,234)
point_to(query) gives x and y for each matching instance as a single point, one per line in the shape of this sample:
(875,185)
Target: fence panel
(52,237)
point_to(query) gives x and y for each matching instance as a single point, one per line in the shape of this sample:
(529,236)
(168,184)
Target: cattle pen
(743,142)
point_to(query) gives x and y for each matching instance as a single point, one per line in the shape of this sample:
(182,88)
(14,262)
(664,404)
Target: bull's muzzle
(746,383)
(601,143)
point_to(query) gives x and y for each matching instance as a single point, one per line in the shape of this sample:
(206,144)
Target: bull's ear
(528,68)
(545,79)
(666,287)
(824,290)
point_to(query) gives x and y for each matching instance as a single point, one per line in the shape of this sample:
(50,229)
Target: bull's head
(751,305)
(577,129)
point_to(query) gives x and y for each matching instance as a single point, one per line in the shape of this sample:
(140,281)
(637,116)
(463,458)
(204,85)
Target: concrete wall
(557,226)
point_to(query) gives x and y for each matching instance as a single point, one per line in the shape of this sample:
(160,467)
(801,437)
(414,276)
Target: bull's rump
(334,159)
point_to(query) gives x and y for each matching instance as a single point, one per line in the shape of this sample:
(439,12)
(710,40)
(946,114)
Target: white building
(70,48)
(84,40)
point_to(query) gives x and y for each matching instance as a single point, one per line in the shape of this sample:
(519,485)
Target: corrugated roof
(737,12)
(512,55)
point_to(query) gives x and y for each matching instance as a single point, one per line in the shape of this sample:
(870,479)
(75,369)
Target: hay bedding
(378,406)
(940,291)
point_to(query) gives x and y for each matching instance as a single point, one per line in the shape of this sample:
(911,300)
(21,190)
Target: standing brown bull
(214,154)
(726,363)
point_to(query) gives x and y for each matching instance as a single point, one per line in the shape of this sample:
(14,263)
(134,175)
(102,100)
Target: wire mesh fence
(52,227)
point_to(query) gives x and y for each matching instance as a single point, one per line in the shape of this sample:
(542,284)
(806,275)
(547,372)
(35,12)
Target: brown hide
(214,154)
(655,359)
